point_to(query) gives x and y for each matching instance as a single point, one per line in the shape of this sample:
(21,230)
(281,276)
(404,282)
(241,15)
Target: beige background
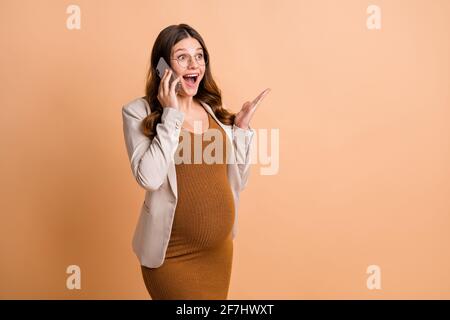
(364,144)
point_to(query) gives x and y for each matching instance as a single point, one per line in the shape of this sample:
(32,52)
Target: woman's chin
(188,92)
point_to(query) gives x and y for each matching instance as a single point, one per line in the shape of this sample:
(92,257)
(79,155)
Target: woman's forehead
(190,44)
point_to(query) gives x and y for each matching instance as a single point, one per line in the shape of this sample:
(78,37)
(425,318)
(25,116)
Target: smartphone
(161,68)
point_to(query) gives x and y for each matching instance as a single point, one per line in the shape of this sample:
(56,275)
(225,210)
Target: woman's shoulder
(138,107)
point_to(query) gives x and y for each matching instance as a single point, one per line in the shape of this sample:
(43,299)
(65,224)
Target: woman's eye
(181,57)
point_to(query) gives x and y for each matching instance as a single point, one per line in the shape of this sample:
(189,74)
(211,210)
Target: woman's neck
(187,103)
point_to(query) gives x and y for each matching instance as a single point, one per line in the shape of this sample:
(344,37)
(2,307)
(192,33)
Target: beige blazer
(153,166)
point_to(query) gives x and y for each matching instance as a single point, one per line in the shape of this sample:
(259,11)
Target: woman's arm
(243,133)
(242,139)
(150,159)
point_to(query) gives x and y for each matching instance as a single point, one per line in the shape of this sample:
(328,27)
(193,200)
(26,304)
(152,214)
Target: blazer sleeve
(242,140)
(150,159)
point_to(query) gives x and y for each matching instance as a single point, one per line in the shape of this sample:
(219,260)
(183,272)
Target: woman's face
(187,51)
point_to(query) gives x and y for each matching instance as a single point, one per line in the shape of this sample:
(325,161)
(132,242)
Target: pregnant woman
(188,220)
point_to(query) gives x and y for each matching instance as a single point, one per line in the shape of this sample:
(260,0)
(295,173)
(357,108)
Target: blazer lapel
(172,175)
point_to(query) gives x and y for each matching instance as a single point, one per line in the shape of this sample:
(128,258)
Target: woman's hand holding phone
(166,94)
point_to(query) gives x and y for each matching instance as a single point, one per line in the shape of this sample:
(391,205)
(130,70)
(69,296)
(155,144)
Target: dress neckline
(200,134)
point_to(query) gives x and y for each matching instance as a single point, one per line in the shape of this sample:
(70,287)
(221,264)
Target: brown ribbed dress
(199,255)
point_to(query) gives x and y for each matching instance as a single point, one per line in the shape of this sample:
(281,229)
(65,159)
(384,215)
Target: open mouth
(191,80)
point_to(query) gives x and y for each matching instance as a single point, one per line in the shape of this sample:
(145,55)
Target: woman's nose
(192,62)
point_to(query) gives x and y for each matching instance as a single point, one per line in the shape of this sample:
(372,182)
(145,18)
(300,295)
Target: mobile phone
(161,68)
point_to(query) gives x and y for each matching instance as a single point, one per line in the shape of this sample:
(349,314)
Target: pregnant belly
(205,212)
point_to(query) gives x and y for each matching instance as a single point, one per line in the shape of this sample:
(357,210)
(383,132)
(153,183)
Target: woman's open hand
(243,117)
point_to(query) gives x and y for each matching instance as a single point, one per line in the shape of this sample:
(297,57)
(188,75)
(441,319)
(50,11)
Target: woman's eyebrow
(185,49)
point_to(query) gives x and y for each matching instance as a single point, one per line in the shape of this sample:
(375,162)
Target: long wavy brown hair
(208,90)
